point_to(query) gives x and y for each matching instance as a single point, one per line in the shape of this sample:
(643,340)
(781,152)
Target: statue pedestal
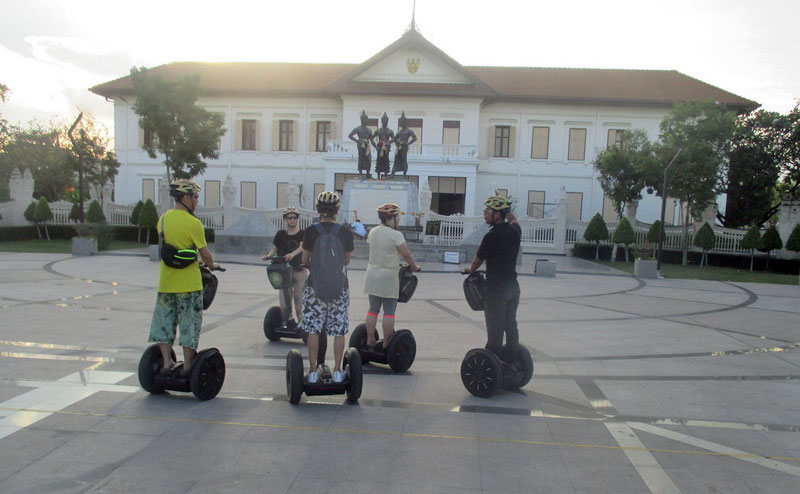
(252,234)
(364,196)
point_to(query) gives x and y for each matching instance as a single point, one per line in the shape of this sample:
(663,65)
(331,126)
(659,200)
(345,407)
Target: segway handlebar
(218,268)
(275,258)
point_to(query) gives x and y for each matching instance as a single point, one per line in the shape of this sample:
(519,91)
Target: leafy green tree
(622,168)
(751,240)
(793,243)
(29,216)
(137,210)
(771,240)
(596,231)
(652,235)
(42,214)
(705,239)
(91,148)
(701,132)
(624,235)
(148,218)
(185,132)
(75,212)
(4,129)
(39,148)
(95,213)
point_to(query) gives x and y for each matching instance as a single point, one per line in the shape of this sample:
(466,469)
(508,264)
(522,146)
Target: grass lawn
(715,273)
(58,246)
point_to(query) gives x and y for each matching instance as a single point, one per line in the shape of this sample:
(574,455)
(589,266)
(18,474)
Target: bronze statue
(385,135)
(364,137)
(404,138)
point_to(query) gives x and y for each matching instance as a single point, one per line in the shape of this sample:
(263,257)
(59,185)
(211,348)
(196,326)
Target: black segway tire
(401,350)
(352,363)
(481,372)
(524,364)
(358,339)
(207,374)
(149,365)
(272,319)
(294,376)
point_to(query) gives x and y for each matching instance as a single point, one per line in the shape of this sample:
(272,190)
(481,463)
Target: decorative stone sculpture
(405,137)
(384,136)
(362,136)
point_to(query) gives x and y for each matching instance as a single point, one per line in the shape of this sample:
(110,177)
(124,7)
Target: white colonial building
(531,133)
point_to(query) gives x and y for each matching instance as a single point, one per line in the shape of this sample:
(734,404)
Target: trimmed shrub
(793,243)
(75,212)
(751,240)
(706,239)
(624,235)
(95,213)
(43,213)
(596,231)
(770,241)
(134,220)
(148,217)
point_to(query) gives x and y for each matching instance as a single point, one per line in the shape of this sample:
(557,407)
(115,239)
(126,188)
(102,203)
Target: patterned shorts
(331,316)
(177,309)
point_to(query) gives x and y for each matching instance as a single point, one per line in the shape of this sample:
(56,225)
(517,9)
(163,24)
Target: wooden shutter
(541,138)
(237,135)
(577,145)
(276,135)
(512,141)
(258,134)
(295,131)
(332,135)
(490,148)
(141,138)
(312,136)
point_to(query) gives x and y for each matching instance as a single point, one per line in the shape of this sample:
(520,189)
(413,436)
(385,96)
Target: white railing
(6,211)
(454,229)
(416,152)
(120,215)
(211,217)
(60,210)
(538,233)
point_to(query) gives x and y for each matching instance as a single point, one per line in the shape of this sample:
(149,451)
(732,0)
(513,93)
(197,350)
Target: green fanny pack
(173,256)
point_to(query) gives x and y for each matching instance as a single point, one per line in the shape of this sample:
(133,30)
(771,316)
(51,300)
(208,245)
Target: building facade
(525,132)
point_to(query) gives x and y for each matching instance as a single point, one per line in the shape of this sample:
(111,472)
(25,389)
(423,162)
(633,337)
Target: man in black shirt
(499,248)
(288,243)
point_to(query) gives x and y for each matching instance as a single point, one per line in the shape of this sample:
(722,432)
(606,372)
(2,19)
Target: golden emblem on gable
(412,64)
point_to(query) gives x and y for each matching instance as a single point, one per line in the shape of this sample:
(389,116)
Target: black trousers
(500,311)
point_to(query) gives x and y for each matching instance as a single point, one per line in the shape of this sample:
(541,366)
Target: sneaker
(313,378)
(338,376)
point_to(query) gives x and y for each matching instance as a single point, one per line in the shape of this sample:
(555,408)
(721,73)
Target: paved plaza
(639,386)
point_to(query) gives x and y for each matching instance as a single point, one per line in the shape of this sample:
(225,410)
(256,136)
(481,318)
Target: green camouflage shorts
(177,309)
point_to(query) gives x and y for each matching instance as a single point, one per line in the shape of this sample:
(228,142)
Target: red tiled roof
(656,87)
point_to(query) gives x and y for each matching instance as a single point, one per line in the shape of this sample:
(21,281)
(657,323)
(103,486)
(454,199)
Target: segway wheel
(294,376)
(401,350)
(149,365)
(481,372)
(358,339)
(352,363)
(272,319)
(524,364)
(207,374)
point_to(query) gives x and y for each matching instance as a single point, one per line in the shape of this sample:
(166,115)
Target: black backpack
(328,274)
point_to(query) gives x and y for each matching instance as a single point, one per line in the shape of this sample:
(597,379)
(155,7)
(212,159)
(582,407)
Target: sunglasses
(291,217)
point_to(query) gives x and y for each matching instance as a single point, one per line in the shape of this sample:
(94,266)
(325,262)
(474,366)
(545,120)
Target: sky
(51,52)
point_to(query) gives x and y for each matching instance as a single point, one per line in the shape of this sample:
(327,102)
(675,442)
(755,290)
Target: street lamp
(663,212)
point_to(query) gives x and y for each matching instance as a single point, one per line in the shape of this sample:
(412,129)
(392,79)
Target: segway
(297,382)
(208,367)
(482,372)
(279,323)
(402,348)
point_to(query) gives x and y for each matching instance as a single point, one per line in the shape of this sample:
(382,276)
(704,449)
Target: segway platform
(483,373)
(204,380)
(279,324)
(297,382)
(399,354)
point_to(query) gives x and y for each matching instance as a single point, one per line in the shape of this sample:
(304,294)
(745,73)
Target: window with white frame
(574,205)
(211,189)
(536,204)
(286,135)
(248,135)
(149,189)
(614,138)
(248,195)
(540,143)
(502,139)
(451,132)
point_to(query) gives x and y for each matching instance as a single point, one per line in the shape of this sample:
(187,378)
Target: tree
(751,240)
(4,129)
(701,132)
(793,243)
(770,241)
(596,231)
(653,234)
(148,218)
(29,216)
(706,239)
(184,132)
(39,148)
(75,212)
(95,213)
(90,150)
(41,214)
(622,168)
(137,210)
(624,235)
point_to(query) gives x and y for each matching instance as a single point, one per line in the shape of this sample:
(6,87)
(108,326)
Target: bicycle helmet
(182,186)
(387,211)
(291,210)
(498,203)
(328,202)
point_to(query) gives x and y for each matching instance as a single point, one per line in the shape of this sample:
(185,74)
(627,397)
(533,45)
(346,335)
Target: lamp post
(663,212)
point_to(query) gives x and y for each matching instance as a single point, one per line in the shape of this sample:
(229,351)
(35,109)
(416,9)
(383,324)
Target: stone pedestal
(252,234)
(545,268)
(153,253)
(84,246)
(645,269)
(364,196)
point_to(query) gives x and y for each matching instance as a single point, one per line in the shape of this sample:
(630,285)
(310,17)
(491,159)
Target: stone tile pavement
(639,385)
